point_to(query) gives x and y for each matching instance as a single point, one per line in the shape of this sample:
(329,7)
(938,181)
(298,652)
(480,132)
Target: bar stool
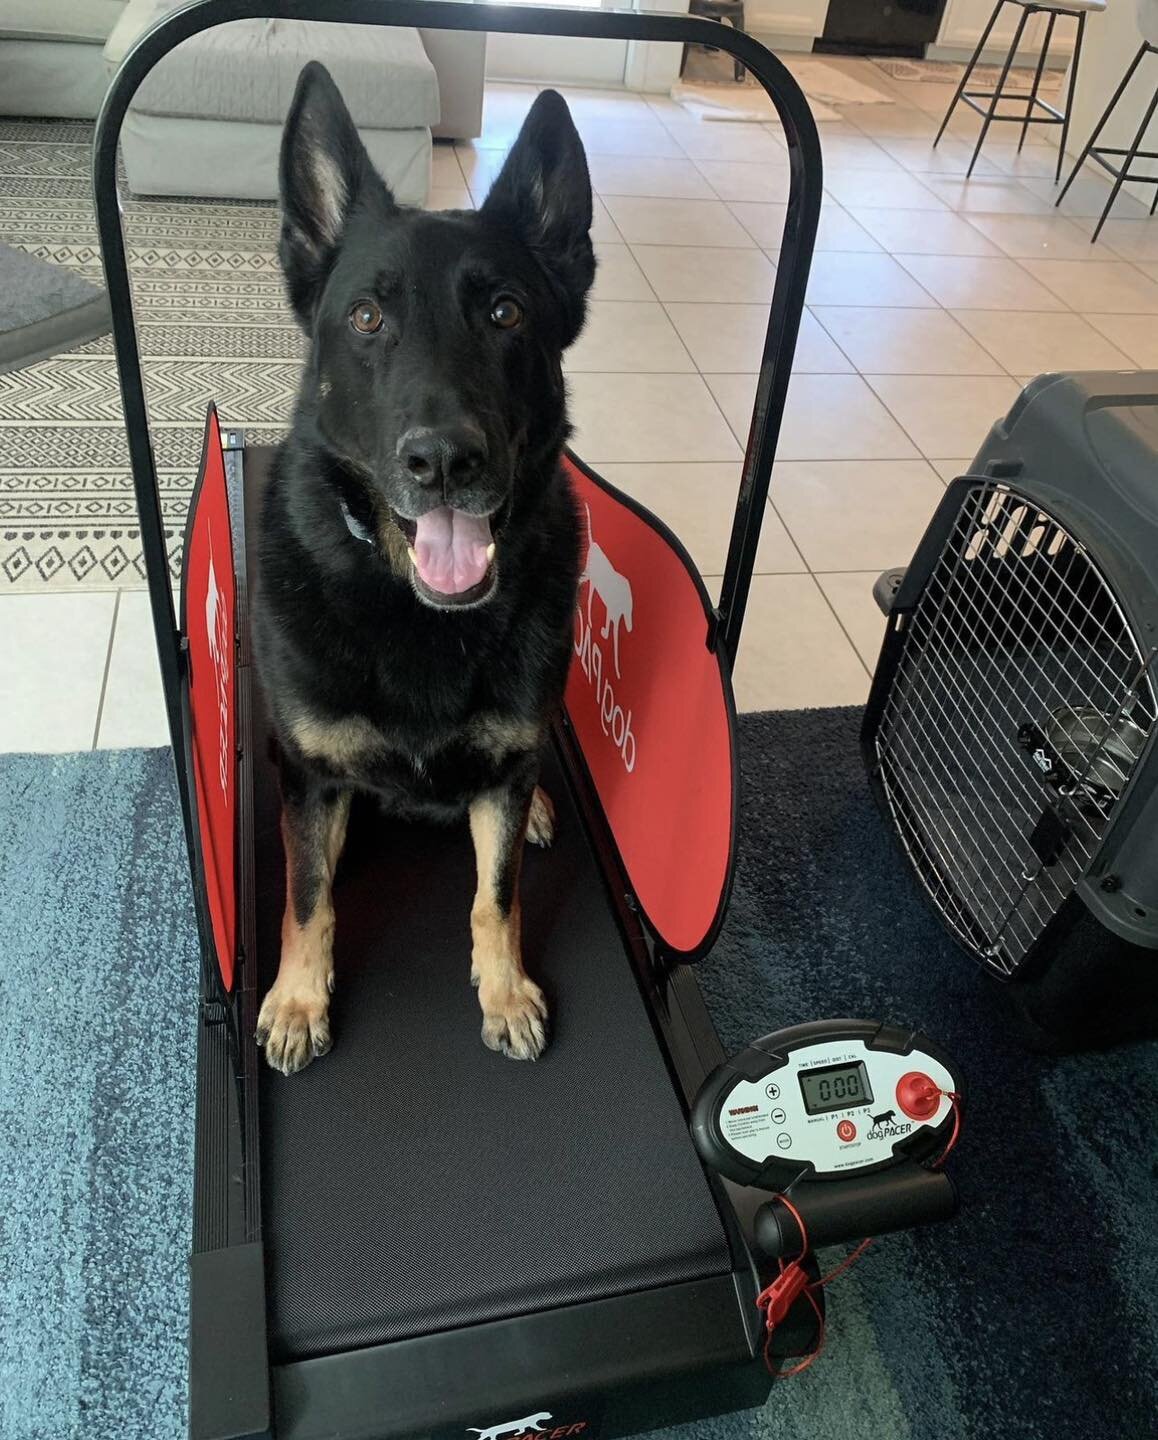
(1075,10)
(1147,13)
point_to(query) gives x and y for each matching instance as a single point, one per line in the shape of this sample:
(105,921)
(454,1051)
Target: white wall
(563,59)
(776,18)
(653,67)
(961,27)
(641,65)
(1112,41)
(964,20)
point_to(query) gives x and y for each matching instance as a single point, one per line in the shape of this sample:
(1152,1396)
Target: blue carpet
(1034,1316)
(98,976)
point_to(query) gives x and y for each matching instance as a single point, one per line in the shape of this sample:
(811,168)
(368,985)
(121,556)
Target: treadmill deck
(412,1180)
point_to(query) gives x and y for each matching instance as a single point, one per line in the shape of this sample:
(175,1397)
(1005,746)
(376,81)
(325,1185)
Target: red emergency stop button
(918,1096)
(846,1131)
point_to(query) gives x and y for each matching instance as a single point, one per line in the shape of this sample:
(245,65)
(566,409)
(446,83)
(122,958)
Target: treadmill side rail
(228,1341)
(228,1359)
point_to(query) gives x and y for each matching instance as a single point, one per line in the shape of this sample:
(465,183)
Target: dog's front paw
(515,1021)
(541,820)
(294,1025)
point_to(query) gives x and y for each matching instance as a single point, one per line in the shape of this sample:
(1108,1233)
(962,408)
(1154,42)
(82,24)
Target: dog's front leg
(294,1023)
(514,1011)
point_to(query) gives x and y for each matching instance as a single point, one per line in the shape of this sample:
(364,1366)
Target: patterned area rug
(212,324)
(949,72)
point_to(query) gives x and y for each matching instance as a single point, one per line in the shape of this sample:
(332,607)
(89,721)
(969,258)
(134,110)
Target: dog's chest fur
(440,770)
(372,689)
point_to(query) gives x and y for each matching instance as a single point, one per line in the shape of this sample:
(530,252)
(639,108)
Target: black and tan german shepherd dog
(419,544)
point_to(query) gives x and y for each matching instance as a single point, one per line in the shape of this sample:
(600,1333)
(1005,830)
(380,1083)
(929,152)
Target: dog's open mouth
(452,555)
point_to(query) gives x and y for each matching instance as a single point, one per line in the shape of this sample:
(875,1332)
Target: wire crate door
(649,698)
(1010,725)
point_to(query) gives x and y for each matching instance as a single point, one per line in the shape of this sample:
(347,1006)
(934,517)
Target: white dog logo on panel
(512,1427)
(614,589)
(216,621)
(212,605)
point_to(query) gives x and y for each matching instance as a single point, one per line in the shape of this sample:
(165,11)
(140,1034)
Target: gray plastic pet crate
(1010,728)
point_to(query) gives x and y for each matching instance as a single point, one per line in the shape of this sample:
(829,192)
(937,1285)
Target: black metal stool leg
(969,70)
(738,68)
(1124,172)
(738,71)
(1101,125)
(1074,63)
(1037,78)
(1000,91)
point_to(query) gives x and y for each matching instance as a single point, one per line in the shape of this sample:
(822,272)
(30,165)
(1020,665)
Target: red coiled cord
(778,1298)
(955,1099)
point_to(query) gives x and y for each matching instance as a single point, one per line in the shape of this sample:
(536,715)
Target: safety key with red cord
(848,1123)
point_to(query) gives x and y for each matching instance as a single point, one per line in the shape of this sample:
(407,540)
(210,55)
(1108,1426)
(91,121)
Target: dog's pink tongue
(451,549)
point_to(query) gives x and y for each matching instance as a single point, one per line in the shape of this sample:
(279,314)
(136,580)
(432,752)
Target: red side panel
(209,608)
(652,709)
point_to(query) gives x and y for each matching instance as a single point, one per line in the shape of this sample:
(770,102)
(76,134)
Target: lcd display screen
(835,1087)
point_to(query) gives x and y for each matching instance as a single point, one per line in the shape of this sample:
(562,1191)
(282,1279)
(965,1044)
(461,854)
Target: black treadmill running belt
(412,1181)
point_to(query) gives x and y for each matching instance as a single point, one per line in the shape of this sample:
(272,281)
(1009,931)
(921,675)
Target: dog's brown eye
(506,313)
(365,317)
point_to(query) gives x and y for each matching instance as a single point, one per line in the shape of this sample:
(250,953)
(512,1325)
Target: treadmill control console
(839,1115)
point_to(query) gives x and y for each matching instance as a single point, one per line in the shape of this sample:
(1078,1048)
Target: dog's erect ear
(325,173)
(543,192)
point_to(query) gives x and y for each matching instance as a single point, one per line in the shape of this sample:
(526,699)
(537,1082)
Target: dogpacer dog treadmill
(415,1237)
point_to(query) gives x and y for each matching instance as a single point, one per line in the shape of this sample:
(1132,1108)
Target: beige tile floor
(931,299)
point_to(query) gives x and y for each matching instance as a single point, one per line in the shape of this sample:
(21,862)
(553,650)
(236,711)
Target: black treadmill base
(618,1367)
(229,1385)
(447,1235)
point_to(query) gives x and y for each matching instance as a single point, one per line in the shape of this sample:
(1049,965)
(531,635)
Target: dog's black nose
(446,455)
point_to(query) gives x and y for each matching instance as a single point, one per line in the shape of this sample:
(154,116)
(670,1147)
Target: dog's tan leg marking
(294,1023)
(514,1010)
(541,820)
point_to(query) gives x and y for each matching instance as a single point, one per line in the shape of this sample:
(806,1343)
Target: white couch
(50,56)
(207,120)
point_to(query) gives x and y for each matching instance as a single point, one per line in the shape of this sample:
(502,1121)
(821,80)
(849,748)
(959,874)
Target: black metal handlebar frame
(797,242)
(235,1389)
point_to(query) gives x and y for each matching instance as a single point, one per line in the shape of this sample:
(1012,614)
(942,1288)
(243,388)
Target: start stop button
(917,1095)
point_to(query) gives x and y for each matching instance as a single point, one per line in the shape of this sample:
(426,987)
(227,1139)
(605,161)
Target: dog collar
(354,525)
